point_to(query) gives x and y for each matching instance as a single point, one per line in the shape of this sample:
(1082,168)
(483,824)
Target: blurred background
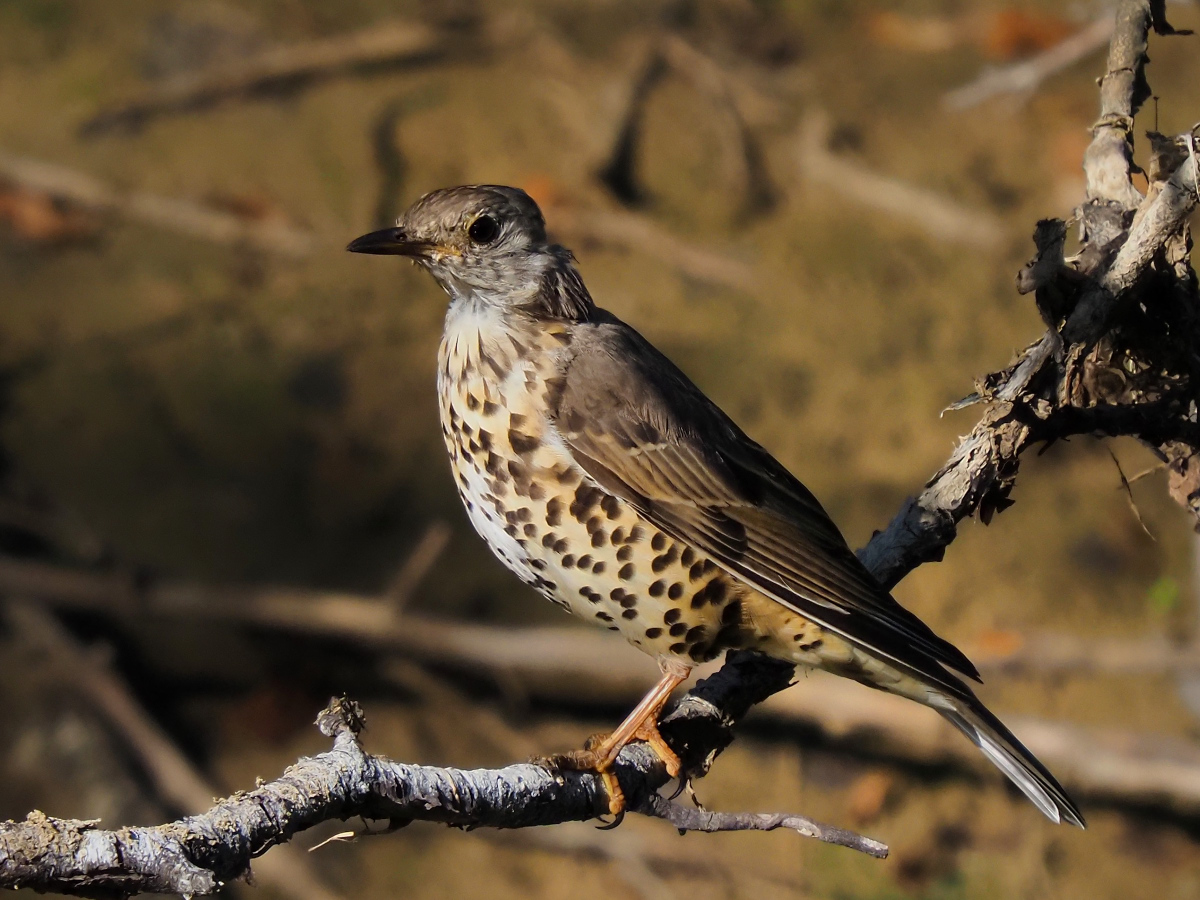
(224,497)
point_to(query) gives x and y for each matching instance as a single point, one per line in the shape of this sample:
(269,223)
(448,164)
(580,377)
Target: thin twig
(171,213)
(940,218)
(385,44)
(1025,76)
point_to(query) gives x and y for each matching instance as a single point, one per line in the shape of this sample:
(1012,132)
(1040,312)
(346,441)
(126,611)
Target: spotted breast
(579,546)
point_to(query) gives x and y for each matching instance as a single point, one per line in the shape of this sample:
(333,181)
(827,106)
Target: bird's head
(483,241)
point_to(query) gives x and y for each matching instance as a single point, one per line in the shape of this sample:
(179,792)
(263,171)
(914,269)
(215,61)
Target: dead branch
(1025,76)
(387,44)
(289,872)
(171,213)
(199,854)
(940,218)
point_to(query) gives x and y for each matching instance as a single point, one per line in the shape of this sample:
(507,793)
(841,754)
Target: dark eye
(484,230)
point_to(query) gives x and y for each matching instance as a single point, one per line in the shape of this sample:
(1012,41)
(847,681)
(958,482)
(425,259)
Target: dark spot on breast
(568,561)
(701,652)
(696,571)
(618,535)
(589,594)
(474,448)
(553,512)
(511,530)
(485,439)
(636,533)
(530,531)
(472,404)
(732,614)
(538,564)
(694,634)
(603,616)
(495,467)
(678,648)
(522,443)
(561,546)
(811,645)
(666,559)
(626,572)
(567,475)
(548,539)
(516,420)
(678,629)
(713,592)
(616,595)
(586,499)
(658,542)
(534,491)
(524,514)
(671,616)
(611,506)
(657,589)
(630,613)
(625,554)
(584,561)
(598,568)
(598,538)
(688,556)
(654,633)
(593,524)
(490,408)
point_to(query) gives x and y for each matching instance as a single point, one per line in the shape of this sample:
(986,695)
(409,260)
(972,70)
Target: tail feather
(1010,756)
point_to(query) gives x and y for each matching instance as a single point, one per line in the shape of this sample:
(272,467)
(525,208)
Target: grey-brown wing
(644,432)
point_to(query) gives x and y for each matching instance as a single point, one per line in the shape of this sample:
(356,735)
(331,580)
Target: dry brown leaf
(37,218)
(868,795)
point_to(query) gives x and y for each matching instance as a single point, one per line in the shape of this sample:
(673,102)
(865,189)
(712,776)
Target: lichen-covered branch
(198,854)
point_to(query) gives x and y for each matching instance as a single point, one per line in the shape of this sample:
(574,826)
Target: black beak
(387,242)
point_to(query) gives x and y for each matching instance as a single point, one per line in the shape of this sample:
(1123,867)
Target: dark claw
(609,826)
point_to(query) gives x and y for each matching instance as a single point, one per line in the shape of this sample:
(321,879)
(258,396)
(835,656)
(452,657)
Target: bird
(603,477)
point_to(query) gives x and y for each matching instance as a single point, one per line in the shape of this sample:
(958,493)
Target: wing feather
(643,431)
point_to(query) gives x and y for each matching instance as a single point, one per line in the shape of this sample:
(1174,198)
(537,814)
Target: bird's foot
(596,756)
(599,753)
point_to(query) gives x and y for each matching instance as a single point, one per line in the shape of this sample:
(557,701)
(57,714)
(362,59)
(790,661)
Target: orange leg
(640,725)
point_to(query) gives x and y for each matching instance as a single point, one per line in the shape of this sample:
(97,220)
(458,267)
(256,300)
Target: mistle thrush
(606,480)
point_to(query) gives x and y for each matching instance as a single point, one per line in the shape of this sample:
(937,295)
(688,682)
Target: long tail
(1009,755)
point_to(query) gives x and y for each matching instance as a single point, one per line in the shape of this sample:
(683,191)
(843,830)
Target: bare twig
(386,44)
(1025,76)
(172,213)
(942,219)
(417,565)
(637,233)
(691,819)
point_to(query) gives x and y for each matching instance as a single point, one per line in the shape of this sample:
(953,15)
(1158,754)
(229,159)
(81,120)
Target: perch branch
(198,854)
